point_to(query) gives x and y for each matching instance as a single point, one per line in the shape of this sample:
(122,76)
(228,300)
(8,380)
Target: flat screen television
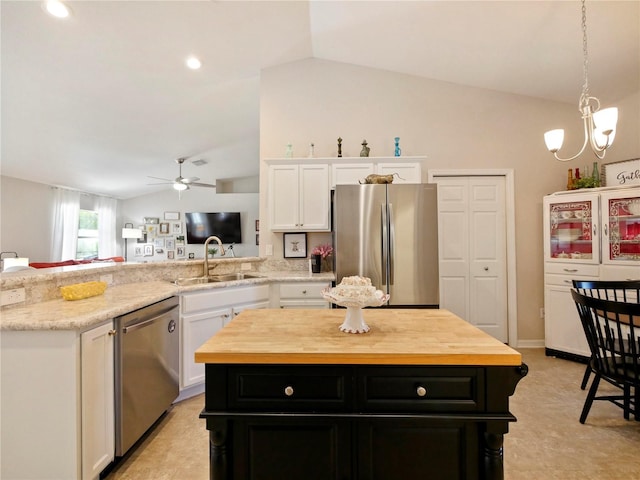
(225,225)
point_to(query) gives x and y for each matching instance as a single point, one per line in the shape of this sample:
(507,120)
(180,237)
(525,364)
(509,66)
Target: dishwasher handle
(137,326)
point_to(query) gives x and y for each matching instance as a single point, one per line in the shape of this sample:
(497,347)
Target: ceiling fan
(182,183)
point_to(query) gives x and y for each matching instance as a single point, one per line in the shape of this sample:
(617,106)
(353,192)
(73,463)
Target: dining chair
(613,334)
(617,290)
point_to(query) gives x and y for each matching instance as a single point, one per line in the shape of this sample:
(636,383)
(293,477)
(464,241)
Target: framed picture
(152,220)
(257,239)
(180,240)
(180,251)
(148,250)
(164,228)
(138,251)
(176,228)
(158,243)
(170,243)
(626,172)
(257,225)
(295,245)
(172,215)
(152,230)
(170,254)
(143,238)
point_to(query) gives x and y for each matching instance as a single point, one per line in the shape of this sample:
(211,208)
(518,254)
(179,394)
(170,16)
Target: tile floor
(546,443)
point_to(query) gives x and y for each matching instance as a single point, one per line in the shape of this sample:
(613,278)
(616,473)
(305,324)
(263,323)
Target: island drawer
(285,388)
(416,389)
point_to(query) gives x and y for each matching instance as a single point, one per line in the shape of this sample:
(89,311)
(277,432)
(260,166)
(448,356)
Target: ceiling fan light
(180,186)
(554,139)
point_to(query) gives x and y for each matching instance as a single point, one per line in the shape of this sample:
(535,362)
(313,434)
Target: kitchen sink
(228,277)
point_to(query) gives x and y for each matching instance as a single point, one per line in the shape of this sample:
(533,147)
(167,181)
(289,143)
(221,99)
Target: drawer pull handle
(421,391)
(288,390)
(304,292)
(570,270)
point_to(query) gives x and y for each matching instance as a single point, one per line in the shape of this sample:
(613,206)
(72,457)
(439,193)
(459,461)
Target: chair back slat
(612,329)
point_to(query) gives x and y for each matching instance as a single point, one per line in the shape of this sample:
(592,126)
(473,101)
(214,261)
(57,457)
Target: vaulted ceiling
(102,100)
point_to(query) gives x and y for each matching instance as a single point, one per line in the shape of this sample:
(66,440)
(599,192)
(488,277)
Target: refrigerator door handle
(392,235)
(385,246)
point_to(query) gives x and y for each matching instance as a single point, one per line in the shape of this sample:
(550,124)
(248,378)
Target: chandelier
(599,125)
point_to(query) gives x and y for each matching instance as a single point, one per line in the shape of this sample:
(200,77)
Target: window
(87,235)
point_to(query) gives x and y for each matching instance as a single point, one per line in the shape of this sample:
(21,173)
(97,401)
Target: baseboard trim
(530,344)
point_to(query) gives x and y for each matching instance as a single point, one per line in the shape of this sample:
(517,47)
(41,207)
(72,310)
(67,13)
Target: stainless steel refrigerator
(389,233)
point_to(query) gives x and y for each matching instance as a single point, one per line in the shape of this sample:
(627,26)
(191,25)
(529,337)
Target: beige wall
(455,127)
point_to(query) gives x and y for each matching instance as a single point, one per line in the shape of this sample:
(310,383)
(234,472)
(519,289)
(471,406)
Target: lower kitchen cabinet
(98,439)
(339,422)
(303,295)
(57,403)
(205,312)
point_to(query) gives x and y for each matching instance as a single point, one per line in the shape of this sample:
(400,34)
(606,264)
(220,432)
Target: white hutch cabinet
(591,234)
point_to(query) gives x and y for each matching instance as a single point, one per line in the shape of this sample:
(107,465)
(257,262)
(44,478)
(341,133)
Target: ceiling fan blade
(159,178)
(208,185)
(163,183)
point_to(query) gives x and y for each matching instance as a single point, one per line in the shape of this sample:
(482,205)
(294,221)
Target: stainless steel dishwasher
(147,369)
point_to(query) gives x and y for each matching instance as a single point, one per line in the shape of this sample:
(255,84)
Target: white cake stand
(354,321)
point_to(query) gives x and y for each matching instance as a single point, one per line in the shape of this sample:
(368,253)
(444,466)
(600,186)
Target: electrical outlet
(9,297)
(541,312)
(245,266)
(108,279)
(269,250)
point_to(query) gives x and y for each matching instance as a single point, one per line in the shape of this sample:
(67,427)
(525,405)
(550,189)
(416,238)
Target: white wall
(454,126)
(194,200)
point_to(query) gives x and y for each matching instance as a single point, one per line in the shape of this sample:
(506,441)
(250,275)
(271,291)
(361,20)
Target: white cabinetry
(303,295)
(203,313)
(299,197)
(588,235)
(350,171)
(98,440)
(57,403)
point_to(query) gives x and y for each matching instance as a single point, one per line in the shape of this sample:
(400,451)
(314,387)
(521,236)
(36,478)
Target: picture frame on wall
(295,245)
(164,228)
(170,244)
(138,251)
(176,228)
(151,220)
(158,243)
(180,252)
(148,250)
(170,254)
(172,215)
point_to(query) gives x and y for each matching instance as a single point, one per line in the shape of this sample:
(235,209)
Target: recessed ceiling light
(193,63)
(57,8)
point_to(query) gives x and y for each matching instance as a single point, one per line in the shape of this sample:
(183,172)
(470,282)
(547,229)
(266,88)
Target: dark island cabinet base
(339,437)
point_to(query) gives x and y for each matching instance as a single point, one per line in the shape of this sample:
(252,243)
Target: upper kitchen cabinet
(354,170)
(299,197)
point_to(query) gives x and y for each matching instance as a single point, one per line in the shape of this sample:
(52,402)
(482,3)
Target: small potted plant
(320,258)
(212,252)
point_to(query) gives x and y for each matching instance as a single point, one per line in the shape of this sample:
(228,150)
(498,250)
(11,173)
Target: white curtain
(106,208)
(66,211)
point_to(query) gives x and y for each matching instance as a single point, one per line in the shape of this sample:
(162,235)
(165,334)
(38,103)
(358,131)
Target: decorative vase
(316,263)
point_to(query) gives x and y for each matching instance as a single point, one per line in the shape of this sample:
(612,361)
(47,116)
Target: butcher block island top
(397,337)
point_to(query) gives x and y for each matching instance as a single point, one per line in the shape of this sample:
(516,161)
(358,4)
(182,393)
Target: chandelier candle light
(599,125)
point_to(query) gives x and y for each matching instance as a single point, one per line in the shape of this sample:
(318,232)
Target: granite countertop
(117,300)
(397,337)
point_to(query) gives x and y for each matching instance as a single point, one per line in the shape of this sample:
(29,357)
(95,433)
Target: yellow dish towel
(79,291)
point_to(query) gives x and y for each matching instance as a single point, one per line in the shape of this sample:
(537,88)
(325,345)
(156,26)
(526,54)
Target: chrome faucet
(206,253)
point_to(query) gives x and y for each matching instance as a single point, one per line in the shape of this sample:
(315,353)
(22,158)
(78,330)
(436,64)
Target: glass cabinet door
(571,223)
(621,220)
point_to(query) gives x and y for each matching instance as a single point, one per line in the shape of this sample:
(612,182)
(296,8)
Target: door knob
(486,269)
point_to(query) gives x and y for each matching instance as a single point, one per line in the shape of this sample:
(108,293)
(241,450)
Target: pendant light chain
(585,63)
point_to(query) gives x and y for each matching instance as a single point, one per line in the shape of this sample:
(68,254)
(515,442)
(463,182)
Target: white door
(473,253)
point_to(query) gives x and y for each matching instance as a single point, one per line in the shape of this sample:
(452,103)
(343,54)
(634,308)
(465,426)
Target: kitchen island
(424,394)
